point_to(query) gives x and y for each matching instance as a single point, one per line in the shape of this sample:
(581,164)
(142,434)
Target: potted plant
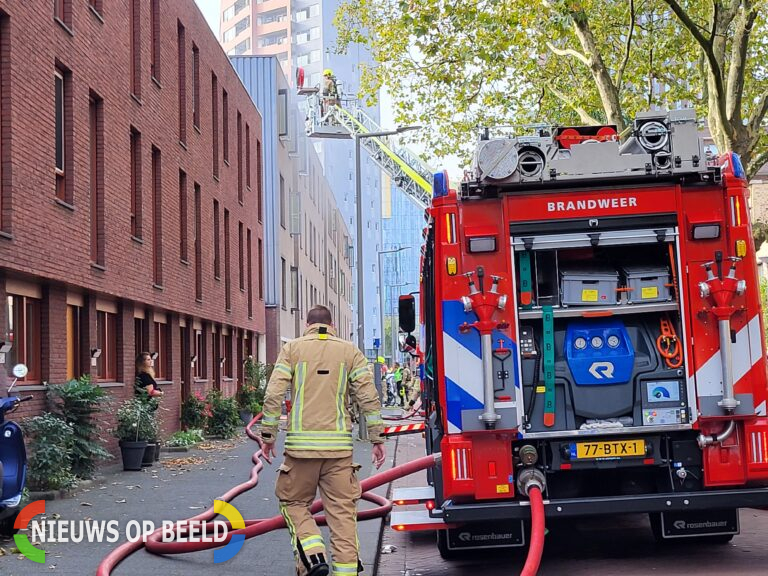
(132,443)
(251,394)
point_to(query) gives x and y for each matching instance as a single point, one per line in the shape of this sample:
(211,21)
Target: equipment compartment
(589,286)
(646,284)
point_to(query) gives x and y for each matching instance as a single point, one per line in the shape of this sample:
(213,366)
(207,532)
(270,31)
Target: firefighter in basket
(330,92)
(323,372)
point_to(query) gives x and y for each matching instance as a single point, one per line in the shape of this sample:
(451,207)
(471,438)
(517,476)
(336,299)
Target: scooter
(13,458)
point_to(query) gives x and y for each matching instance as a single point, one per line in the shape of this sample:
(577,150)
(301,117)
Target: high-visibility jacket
(325,374)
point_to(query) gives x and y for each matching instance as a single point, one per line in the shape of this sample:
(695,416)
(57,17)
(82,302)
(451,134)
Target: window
(302,37)
(247,157)
(201,364)
(155,30)
(239,156)
(106,333)
(242,47)
(279,15)
(157,217)
(283,284)
(259,197)
(97,5)
(62,10)
(261,271)
(140,336)
(215,122)
(302,60)
(96,122)
(282,201)
(135,47)
(235,9)
(315,56)
(74,346)
(135,183)
(242,25)
(24,331)
(282,112)
(216,246)
(225,122)
(182,83)
(314,33)
(64,134)
(250,275)
(198,244)
(241,255)
(162,365)
(227,264)
(183,224)
(196,86)
(228,352)
(314,79)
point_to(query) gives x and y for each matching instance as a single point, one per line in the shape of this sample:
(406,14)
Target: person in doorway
(146,386)
(325,371)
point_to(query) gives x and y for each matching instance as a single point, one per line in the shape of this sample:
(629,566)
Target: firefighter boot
(296,488)
(340,491)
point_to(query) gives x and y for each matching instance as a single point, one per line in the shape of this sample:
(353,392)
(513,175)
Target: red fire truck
(591,326)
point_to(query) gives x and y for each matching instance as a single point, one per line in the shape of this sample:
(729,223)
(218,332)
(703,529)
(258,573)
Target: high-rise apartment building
(300,34)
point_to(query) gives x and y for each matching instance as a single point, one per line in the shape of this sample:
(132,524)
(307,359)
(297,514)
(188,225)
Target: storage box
(646,284)
(589,286)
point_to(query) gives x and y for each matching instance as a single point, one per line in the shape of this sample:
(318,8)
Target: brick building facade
(130,199)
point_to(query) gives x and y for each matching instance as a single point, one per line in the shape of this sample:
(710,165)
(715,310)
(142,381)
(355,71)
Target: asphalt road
(182,487)
(601,546)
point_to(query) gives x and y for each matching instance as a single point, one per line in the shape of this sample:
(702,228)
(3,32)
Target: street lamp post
(359,241)
(381,292)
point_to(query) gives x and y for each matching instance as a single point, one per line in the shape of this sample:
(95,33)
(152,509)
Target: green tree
(455,65)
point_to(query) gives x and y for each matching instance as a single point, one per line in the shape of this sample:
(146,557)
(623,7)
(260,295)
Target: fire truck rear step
(414,520)
(413,495)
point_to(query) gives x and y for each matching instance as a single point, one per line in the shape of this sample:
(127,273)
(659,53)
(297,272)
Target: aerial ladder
(344,118)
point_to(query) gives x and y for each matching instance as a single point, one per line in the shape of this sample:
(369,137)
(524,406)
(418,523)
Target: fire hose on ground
(155,545)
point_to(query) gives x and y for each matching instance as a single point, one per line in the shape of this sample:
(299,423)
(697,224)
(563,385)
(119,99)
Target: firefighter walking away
(323,372)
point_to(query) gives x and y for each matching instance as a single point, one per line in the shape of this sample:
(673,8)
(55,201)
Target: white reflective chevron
(747,350)
(462,367)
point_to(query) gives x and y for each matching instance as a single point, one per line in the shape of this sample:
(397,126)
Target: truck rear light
(705,231)
(461,463)
(757,449)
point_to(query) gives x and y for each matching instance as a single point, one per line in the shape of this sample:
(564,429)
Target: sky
(210,9)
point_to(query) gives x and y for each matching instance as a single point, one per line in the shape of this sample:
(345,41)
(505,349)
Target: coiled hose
(155,545)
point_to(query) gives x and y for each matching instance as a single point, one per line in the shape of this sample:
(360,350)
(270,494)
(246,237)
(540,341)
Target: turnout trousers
(297,483)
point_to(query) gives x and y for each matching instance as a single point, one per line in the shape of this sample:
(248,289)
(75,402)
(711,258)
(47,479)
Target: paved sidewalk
(183,485)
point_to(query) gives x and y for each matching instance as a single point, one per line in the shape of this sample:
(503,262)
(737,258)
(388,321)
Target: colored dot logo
(660,392)
(22,541)
(237,523)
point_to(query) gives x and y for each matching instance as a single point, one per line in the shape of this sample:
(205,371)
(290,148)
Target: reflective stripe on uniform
(298,402)
(340,395)
(357,373)
(318,440)
(291,529)
(374,419)
(284,368)
(270,418)
(314,541)
(344,568)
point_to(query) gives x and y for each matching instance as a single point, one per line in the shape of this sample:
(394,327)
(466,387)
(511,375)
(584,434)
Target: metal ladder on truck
(339,121)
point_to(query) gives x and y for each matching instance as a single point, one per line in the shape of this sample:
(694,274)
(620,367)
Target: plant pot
(245,416)
(149,454)
(157,451)
(133,454)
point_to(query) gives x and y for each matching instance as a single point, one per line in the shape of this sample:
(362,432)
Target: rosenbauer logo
(58,531)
